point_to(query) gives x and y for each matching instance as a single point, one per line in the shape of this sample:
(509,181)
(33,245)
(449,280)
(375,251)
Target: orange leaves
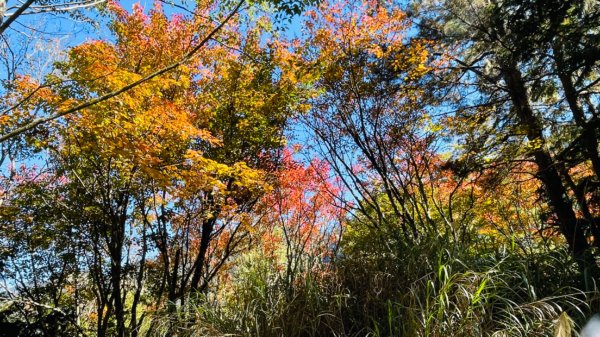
(346,29)
(507,207)
(200,127)
(303,207)
(28,100)
(149,42)
(361,51)
(152,125)
(26,96)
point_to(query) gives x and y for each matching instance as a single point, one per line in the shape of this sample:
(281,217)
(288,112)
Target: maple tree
(173,164)
(304,214)
(371,117)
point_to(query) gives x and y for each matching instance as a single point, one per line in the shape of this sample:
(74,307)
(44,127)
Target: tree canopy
(299,168)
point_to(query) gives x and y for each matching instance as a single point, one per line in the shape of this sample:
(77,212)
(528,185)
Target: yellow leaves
(202,174)
(412,59)
(171,133)
(4,120)
(430,125)
(154,125)
(420,70)
(95,62)
(563,326)
(303,108)
(534,144)
(338,33)
(155,174)
(247,177)
(378,51)
(507,206)
(146,126)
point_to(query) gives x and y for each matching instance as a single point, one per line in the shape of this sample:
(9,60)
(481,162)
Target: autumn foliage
(376,169)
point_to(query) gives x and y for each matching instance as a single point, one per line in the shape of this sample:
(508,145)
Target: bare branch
(69,6)
(15,15)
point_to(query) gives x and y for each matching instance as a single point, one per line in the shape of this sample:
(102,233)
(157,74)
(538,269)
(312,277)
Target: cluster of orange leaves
(304,210)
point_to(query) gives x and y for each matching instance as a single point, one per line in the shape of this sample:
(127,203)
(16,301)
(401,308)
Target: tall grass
(428,290)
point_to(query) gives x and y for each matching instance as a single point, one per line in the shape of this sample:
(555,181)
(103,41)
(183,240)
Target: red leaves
(305,205)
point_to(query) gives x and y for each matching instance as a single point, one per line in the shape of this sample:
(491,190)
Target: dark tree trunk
(172,283)
(207,229)
(116,248)
(571,228)
(588,132)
